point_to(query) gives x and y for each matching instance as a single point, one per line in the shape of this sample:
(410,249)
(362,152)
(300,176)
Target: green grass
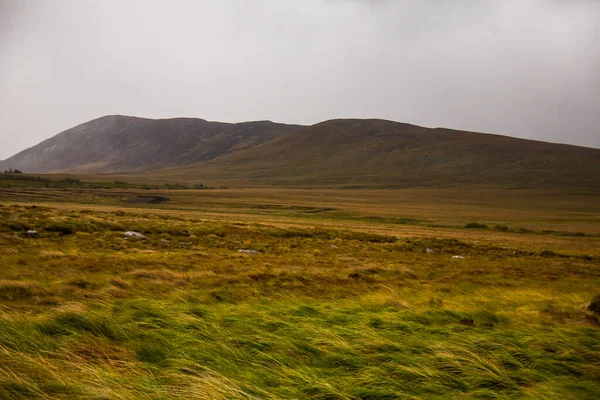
(330,308)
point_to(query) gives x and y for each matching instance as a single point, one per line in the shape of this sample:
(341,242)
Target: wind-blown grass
(318,313)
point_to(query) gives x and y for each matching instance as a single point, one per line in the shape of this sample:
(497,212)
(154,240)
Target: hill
(378,153)
(347,153)
(121,143)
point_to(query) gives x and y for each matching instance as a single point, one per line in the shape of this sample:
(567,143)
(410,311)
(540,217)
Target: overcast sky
(527,68)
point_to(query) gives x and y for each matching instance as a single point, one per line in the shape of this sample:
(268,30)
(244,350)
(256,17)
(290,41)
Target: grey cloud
(521,68)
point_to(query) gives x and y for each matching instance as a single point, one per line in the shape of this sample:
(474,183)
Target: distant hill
(378,153)
(337,153)
(125,144)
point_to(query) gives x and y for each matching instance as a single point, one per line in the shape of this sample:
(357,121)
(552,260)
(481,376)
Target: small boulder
(333,246)
(32,234)
(458,257)
(248,251)
(429,251)
(594,305)
(136,235)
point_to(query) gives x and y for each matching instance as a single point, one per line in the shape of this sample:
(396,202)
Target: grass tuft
(19,290)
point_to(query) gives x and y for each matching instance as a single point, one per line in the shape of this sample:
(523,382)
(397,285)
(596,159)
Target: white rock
(32,234)
(429,251)
(248,251)
(136,235)
(333,246)
(458,257)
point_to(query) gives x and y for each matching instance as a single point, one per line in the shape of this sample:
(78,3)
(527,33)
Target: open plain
(469,292)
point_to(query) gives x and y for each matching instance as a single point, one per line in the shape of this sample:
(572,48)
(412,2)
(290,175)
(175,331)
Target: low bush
(476,225)
(59,227)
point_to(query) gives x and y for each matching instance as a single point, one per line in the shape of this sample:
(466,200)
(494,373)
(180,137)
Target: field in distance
(470,292)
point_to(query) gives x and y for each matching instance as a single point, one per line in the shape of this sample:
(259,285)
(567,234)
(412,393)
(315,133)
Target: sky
(525,68)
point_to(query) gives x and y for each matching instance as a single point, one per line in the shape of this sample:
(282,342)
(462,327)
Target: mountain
(124,144)
(378,153)
(337,153)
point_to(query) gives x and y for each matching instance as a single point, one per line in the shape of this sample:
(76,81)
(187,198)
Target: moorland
(350,259)
(264,293)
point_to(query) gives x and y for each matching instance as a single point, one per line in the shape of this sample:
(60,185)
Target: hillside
(378,153)
(120,143)
(337,153)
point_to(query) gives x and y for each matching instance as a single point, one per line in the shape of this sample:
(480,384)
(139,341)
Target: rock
(32,234)
(458,257)
(164,241)
(429,251)
(333,246)
(594,305)
(248,251)
(136,235)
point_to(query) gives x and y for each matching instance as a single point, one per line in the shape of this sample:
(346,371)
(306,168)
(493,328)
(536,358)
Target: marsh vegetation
(346,295)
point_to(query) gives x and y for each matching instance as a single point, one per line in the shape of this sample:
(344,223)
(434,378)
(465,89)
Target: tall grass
(318,313)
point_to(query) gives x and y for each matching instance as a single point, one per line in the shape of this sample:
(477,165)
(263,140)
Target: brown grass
(16,290)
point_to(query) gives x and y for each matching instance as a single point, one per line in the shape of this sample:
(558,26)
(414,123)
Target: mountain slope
(120,143)
(377,153)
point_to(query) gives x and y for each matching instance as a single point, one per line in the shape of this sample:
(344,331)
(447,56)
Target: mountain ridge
(118,143)
(339,153)
(366,153)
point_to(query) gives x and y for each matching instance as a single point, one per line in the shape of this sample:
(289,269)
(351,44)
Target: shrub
(594,305)
(70,181)
(15,226)
(62,228)
(524,230)
(476,225)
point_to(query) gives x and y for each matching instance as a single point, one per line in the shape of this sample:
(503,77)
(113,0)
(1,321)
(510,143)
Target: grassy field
(338,294)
